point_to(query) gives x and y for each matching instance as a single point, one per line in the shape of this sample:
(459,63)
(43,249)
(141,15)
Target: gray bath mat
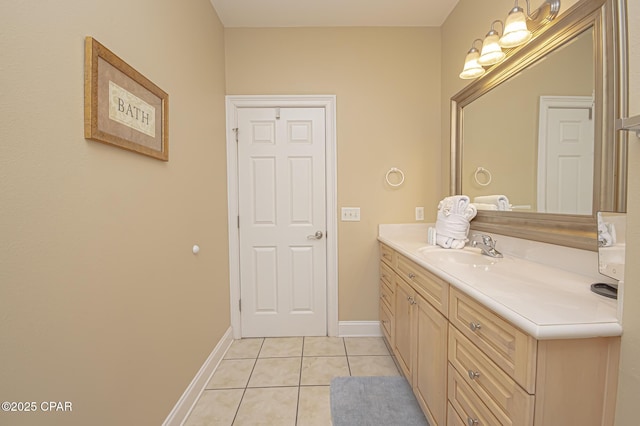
(374,401)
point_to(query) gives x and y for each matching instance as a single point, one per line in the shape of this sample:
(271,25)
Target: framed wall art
(123,107)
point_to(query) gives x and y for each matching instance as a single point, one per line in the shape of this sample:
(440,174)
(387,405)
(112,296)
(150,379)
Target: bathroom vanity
(486,341)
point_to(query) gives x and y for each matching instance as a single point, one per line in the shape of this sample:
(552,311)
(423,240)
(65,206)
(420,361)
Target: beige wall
(102,302)
(388,114)
(629,385)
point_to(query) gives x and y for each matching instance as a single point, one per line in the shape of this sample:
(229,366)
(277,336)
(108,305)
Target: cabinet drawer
(501,394)
(467,404)
(453,419)
(386,295)
(387,255)
(386,274)
(507,346)
(432,288)
(386,321)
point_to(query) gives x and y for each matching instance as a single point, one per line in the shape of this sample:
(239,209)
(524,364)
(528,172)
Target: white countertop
(544,301)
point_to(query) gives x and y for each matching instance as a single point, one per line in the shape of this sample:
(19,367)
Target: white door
(282,223)
(566,159)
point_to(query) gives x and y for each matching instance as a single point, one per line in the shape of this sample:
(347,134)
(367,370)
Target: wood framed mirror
(496,124)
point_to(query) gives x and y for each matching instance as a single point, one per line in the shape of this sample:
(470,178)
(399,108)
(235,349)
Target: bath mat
(373,401)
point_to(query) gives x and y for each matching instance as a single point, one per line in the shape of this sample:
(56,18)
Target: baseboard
(359,329)
(191,395)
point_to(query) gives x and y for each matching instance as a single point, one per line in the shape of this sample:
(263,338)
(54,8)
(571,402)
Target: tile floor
(285,381)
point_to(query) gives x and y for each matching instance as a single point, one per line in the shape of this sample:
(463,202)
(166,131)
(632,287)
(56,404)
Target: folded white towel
(499,200)
(452,224)
(485,206)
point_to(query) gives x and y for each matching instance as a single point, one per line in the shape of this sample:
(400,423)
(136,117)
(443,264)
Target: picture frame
(123,107)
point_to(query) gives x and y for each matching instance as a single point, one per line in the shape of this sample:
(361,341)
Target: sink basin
(466,256)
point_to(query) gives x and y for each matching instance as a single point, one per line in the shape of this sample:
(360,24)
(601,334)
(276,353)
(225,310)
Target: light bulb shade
(472,68)
(515,29)
(491,52)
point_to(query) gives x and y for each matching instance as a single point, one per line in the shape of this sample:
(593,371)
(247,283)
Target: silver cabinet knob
(471,421)
(473,374)
(411,276)
(475,326)
(317,236)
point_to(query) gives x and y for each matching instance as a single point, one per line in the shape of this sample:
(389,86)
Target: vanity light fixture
(515,33)
(491,52)
(472,69)
(515,28)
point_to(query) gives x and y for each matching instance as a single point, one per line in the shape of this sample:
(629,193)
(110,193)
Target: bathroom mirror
(503,124)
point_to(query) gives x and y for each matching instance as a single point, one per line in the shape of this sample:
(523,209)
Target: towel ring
(395,170)
(487,173)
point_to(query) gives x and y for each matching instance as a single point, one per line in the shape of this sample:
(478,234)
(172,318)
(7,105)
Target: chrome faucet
(485,243)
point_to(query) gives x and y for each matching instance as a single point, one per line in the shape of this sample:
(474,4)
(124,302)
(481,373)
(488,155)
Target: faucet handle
(486,239)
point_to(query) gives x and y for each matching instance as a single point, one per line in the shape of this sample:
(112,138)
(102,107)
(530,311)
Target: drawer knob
(473,374)
(475,326)
(412,276)
(472,422)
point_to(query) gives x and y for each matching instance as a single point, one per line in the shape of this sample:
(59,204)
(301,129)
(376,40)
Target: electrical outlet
(419,213)
(351,214)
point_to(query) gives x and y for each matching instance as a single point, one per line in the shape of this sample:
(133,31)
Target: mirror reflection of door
(565,154)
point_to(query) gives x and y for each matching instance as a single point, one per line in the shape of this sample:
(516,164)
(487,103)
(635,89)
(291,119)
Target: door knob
(317,236)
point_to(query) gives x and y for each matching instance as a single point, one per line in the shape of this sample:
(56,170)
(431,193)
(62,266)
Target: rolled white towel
(499,200)
(470,212)
(451,230)
(485,206)
(453,204)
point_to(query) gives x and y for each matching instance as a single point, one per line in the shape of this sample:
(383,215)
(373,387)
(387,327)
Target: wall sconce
(472,69)
(491,52)
(515,32)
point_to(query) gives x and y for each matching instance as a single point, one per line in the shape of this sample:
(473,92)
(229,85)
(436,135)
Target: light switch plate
(351,214)
(419,213)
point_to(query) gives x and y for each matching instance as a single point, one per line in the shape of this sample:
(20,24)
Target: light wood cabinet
(430,364)
(508,402)
(469,366)
(524,381)
(511,349)
(420,332)
(403,327)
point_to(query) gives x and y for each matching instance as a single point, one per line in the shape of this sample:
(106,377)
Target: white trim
(546,103)
(328,102)
(190,397)
(359,329)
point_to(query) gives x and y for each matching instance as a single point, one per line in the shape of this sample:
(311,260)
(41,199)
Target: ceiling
(332,13)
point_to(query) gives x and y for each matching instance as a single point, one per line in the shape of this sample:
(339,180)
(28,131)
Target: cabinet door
(403,316)
(430,369)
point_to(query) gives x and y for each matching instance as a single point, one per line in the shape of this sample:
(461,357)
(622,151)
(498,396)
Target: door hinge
(238,222)
(235,130)
(240,305)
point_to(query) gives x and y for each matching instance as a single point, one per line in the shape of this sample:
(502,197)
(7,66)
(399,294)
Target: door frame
(547,103)
(328,102)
